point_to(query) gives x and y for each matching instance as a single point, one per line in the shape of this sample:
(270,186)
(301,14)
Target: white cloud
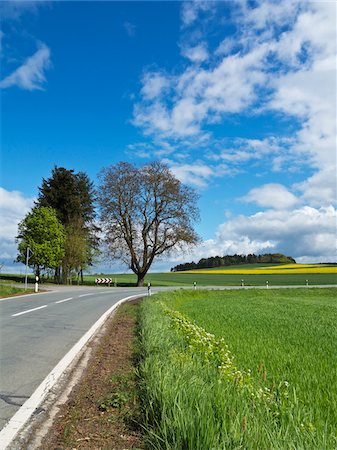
(196,54)
(155,84)
(199,95)
(30,75)
(241,245)
(306,233)
(320,189)
(196,174)
(265,15)
(273,196)
(291,72)
(272,150)
(13,207)
(156,116)
(13,10)
(191,10)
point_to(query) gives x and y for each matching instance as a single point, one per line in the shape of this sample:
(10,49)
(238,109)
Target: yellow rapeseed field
(282,269)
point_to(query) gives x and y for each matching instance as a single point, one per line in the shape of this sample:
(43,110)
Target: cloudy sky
(238,97)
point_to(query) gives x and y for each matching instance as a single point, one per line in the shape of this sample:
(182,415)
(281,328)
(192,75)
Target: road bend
(37,330)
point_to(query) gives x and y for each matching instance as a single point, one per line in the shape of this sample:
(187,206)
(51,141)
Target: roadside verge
(23,418)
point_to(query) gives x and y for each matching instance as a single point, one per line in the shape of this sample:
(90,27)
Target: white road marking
(85,295)
(21,417)
(65,300)
(24,295)
(28,310)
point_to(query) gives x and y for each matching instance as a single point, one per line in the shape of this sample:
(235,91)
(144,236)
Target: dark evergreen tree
(72,195)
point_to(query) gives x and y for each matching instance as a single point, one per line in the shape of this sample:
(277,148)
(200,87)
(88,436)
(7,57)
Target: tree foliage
(146,212)
(77,251)
(72,195)
(44,235)
(229,260)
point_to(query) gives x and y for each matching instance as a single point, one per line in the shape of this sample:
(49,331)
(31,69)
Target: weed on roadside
(103,410)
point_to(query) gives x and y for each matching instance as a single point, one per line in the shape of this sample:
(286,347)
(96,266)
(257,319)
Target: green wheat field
(247,369)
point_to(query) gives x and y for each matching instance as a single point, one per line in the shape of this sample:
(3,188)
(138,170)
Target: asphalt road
(38,330)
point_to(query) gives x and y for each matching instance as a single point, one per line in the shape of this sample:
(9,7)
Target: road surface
(36,331)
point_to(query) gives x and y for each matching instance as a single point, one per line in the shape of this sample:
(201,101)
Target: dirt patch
(102,411)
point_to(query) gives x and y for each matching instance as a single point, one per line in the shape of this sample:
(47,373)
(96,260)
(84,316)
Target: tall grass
(204,388)
(7,291)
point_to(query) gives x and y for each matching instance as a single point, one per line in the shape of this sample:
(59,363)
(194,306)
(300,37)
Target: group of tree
(144,212)
(229,260)
(59,233)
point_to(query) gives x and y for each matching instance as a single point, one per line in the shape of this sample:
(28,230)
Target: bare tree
(146,212)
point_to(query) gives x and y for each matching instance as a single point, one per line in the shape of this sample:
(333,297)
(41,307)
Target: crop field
(241,369)
(249,275)
(273,269)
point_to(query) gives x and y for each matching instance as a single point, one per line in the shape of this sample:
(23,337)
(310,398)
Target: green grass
(7,291)
(280,335)
(206,279)
(187,279)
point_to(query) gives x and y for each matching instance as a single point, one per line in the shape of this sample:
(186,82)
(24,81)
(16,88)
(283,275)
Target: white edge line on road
(20,418)
(24,295)
(64,300)
(85,295)
(29,310)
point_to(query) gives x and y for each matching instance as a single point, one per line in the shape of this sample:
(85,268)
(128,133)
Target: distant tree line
(230,260)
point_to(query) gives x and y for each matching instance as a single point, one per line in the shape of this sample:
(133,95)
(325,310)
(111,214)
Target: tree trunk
(65,275)
(57,276)
(140,279)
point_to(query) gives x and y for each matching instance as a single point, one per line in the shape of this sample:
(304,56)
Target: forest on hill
(230,260)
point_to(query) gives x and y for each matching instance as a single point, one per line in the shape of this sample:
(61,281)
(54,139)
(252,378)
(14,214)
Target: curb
(21,417)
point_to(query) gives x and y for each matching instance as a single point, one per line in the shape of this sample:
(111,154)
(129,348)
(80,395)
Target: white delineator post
(36,284)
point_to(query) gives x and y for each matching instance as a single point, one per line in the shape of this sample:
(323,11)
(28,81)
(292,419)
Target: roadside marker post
(195,285)
(36,284)
(149,289)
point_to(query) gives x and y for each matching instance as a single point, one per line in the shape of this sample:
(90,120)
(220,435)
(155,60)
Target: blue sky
(239,98)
